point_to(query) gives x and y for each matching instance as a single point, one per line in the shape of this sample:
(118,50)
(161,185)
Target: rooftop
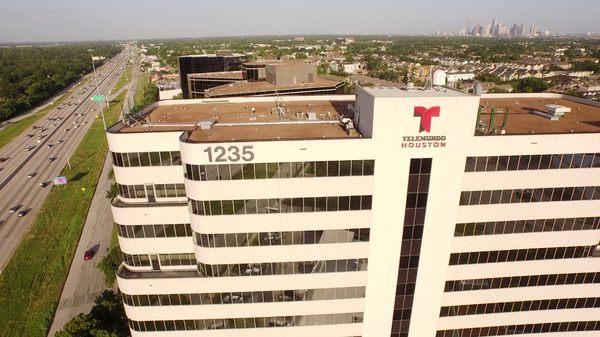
(256,88)
(305,117)
(522,117)
(289,120)
(398,92)
(234,75)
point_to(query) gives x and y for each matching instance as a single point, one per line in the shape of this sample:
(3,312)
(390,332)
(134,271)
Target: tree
(106,319)
(531,84)
(109,265)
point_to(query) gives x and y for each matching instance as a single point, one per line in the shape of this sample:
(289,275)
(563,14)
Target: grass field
(139,89)
(10,132)
(32,282)
(123,80)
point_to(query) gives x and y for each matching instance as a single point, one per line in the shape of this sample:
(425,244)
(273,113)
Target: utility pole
(97,88)
(67,156)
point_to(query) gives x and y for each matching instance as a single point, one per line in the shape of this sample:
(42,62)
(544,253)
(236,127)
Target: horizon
(34,21)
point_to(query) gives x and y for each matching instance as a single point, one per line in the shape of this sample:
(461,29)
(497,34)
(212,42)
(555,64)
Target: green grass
(31,283)
(123,80)
(139,88)
(11,131)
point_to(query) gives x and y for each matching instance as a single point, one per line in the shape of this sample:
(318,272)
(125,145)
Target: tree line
(30,75)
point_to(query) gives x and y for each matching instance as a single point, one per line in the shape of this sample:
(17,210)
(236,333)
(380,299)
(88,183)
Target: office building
(420,213)
(263,78)
(223,60)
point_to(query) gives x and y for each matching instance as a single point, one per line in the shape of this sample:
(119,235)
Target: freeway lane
(16,188)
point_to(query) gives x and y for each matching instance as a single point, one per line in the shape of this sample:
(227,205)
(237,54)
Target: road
(85,281)
(53,139)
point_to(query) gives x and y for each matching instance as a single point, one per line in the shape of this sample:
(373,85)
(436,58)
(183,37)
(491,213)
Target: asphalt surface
(85,281)
(19,190)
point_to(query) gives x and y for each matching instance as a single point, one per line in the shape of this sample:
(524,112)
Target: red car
(88,255)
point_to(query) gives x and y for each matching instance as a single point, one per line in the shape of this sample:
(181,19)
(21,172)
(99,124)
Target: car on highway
(67,129)
(22,213)
(31,175)
(88,255)
(28,148)
(51,159)
(2,159)
(43,184)
(14,209)
(60,141)
(30,136)
(49,145)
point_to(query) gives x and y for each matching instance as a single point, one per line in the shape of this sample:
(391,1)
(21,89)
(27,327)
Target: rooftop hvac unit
(557,110)
(206,124)
(312,115)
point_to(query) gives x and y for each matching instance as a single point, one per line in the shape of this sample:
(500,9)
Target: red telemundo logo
(426,114)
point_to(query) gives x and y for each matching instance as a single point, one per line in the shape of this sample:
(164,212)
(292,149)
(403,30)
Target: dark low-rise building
(263,78)
(221,61)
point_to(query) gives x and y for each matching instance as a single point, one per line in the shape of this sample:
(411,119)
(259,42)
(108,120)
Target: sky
(80,20)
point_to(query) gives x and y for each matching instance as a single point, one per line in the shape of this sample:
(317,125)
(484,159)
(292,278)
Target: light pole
(97,89)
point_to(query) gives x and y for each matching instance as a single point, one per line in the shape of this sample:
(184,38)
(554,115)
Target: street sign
(97,98)
(59,180)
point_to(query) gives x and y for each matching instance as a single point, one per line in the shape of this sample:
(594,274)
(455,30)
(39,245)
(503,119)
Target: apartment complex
(415,213)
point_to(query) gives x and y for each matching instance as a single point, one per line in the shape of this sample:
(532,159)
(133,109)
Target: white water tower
(439,78)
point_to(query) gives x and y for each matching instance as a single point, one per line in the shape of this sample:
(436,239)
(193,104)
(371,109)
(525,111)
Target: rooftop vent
(206,124)
(312,115)
(557,110)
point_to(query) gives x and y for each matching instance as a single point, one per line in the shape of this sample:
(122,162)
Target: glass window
(345,167)
(134,159)
(144,158)
(357,167)
(154,158)
(165,158)
(176,157)
(321,168)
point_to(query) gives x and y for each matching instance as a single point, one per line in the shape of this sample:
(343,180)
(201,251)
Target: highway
(57,135)
(85,281)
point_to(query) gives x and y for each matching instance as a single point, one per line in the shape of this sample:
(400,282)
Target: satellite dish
(439,78)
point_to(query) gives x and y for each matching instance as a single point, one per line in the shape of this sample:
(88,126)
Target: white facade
(402,278)
(347,67)
(454,77)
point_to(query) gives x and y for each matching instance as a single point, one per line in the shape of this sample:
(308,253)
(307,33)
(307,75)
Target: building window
(157,190)
(530,195)
(526,226)
(142,260)
(155,231)
(284,205)
(522,281)
(492,308)
(532,162)
(308,169)
(268,296)
(248,323)
(552,253)
(307,237)
(136,159)
(282,268)
(414,220)
(521,329)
